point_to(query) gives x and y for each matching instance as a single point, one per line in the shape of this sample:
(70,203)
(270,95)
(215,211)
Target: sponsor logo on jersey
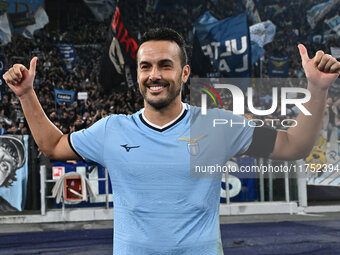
(128,148)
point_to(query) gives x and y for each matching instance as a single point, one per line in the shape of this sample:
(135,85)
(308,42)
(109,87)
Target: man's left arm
(297,142)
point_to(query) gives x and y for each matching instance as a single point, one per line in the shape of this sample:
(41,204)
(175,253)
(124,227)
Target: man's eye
(144,67)
(4,166)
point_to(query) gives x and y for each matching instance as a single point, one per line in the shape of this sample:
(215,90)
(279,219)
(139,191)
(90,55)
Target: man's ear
(185,73)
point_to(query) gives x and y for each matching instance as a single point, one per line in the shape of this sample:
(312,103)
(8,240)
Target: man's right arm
(48,137)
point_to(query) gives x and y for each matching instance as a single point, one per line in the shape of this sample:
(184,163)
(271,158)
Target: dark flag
(278,66)
(118,63)
(226,42)
(200,63)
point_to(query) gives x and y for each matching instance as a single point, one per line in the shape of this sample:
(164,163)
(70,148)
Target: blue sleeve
(89,143)
(239,131)
(245,135)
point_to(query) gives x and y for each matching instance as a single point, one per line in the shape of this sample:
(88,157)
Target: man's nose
(155,74)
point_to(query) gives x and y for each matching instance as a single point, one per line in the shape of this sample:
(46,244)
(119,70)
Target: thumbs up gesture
(19,79)
(322,70)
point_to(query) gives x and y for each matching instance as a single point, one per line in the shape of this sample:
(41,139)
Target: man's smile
(156,87)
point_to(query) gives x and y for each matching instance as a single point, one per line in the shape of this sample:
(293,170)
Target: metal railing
(43,188)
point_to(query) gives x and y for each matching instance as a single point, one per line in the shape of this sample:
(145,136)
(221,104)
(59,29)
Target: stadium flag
(5,30)
(334,24)
(14,195)
(278,66)
(260,34)
(68,55)
(205,19)
(335,51)
(318,12)
(257,52)
(118,62)
(41,19)
(252,11)
(64,96)
(227,44)
(200,63)
(101,9)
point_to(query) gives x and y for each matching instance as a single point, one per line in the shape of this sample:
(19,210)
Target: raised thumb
(303,53)
(33,65)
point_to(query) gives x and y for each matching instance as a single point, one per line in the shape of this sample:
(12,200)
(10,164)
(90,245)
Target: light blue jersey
(159,209)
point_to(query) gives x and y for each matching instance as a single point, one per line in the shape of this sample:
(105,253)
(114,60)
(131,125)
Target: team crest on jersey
(193,146)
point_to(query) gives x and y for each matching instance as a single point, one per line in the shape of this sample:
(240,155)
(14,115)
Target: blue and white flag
(260,34)
(68,55)
(204,19)
(41,19)
(64,96)
(226,43)
(278,66)
(257,52)
(5,30)
(334,24)
(318,12)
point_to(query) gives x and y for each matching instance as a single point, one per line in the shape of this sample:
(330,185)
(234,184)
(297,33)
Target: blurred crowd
(88,37)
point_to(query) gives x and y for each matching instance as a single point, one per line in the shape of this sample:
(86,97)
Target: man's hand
(19,79)
(322,70)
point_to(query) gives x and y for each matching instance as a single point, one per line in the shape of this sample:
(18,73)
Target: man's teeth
(156,88)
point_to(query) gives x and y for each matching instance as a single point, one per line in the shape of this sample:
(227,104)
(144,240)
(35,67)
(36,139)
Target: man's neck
(163,116)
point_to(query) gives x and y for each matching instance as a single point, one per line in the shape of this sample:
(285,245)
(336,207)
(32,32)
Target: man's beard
(173,93)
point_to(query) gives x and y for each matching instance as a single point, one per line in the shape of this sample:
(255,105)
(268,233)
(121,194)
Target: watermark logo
(239,100)
(206,90)
(285,101)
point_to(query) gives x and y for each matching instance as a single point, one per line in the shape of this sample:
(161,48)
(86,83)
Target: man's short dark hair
(167,34)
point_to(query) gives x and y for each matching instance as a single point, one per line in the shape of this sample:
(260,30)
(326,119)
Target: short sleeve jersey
(159,208)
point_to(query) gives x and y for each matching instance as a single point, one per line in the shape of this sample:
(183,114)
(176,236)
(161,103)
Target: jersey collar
(166,126)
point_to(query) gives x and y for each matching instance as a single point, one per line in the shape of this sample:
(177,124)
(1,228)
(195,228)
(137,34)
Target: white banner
(41,19)
(5,31)
(82,95)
